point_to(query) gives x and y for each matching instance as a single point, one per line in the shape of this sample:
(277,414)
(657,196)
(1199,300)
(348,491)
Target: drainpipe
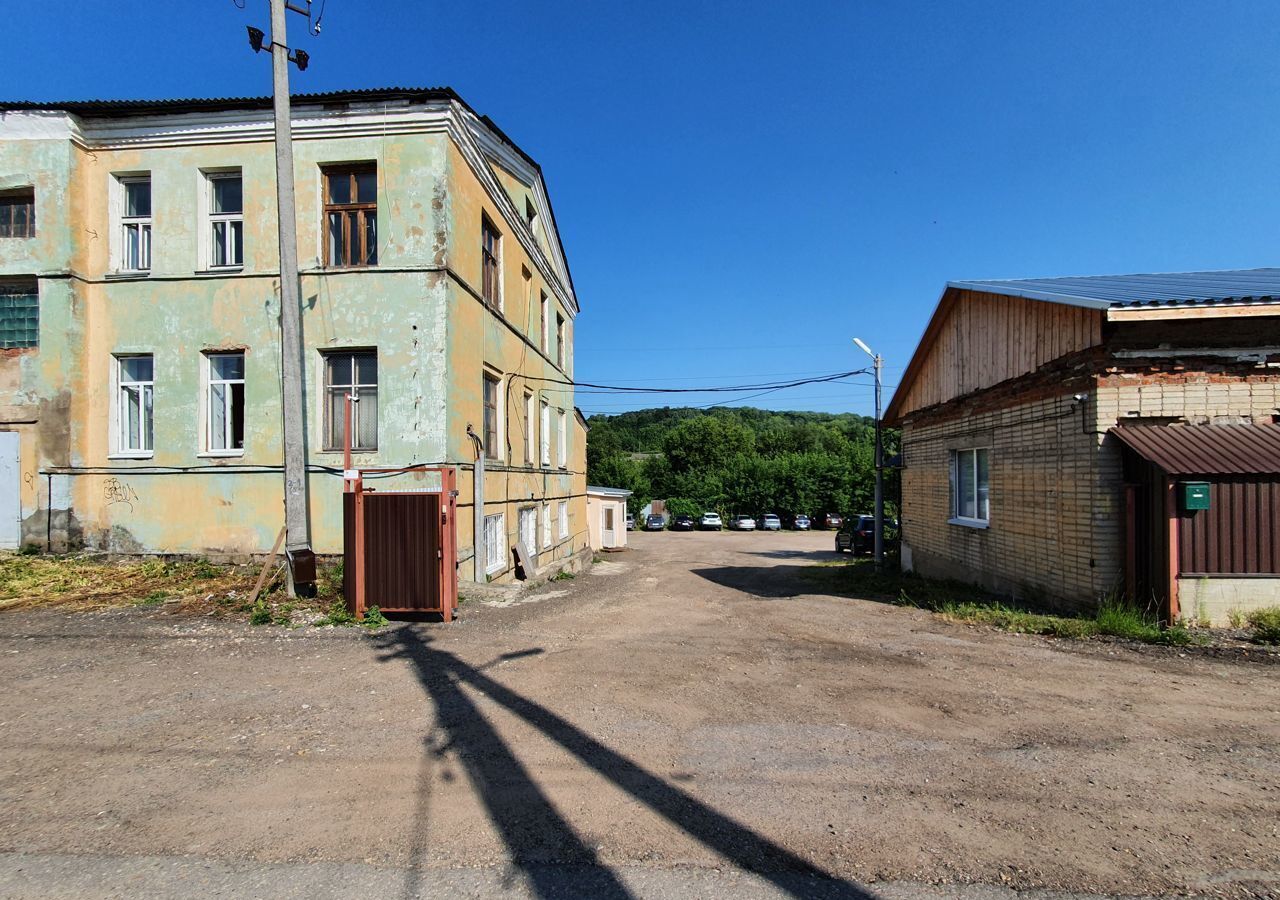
(477,508)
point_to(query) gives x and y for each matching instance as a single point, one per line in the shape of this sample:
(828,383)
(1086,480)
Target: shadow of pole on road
(535,833)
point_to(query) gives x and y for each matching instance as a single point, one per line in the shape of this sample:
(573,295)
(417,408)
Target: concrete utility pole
(302,565)
(879,527)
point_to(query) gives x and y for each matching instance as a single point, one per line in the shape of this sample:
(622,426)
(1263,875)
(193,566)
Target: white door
(607,537)
(10,486)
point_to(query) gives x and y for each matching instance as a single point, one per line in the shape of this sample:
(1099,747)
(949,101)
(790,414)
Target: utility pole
(879,526)
(302,564)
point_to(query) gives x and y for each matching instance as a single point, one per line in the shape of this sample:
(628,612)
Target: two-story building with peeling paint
(139,323)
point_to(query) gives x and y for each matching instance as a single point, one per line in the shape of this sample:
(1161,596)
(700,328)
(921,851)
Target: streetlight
(879,544)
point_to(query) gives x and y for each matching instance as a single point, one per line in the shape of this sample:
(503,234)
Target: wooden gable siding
(978,340)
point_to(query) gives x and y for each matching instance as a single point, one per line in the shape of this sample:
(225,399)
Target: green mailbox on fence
(1195,495)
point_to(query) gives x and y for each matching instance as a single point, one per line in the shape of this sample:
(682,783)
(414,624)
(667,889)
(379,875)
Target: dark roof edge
(217,104)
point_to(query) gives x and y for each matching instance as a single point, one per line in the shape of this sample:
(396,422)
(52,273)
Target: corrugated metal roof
(608,491)
(1206,449)
(207,104)
(1242,286)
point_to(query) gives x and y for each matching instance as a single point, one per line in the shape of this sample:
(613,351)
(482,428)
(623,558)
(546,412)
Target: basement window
(970,487)
(18,213)
(495,543)
(19,314)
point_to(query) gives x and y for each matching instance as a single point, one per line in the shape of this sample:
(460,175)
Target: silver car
(742,523)
(770,522)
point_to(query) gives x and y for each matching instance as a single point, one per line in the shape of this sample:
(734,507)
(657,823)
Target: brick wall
(1056,481)
(1053,535)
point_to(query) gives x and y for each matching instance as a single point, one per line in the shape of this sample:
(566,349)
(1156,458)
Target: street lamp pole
(879,526)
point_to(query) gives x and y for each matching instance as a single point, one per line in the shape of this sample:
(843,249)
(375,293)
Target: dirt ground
(685,706)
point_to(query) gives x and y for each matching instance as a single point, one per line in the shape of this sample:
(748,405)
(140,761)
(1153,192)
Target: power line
(593,388)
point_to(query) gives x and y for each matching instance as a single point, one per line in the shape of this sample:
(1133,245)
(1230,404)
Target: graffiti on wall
(116,491)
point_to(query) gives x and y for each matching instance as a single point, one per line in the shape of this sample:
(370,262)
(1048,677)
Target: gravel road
(685,721)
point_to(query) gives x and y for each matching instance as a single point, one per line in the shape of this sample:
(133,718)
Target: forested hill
(644,430)
(737,460)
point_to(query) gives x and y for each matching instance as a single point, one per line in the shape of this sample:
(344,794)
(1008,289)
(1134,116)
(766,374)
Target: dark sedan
(655,523)
(683,523)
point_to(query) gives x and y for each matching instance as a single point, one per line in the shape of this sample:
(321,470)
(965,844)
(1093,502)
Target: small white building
(607,517)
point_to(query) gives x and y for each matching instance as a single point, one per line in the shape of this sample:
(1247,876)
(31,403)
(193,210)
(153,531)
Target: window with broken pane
(226,403)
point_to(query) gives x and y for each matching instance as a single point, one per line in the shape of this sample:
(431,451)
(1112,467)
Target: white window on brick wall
(134,207)
(546,526)
(562,439)
(970,486)
(495,543)
(544,415)
(563,516)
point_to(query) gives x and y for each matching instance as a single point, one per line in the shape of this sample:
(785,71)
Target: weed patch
(373,618)
(1265,625)
(960,602)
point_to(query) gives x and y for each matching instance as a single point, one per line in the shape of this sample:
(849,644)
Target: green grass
(1265,625)
(960,602)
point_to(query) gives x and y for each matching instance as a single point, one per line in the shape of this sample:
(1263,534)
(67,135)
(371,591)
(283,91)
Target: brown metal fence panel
(1239,534)
(402,545)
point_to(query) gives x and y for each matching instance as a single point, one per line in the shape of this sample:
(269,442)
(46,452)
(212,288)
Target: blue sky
(743,188)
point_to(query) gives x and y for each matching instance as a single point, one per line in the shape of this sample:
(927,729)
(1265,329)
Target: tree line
(738,460)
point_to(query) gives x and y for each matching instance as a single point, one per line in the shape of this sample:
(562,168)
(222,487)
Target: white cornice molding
(39,125)
(483,144)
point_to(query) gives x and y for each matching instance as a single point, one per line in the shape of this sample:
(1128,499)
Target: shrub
(1265,624)
(373,618)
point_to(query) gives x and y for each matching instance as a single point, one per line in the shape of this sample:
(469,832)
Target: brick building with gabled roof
(1015,411)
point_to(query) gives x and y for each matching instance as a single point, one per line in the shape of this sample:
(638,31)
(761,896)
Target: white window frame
(531,431)
(544,418)
(562,517)
(527,528)
(561,322)
(562,439)
(323,397)
(546,323)
(967,458)
(123,223)
(212,220)
(547,540)
(495,543)
(119,414)
(208,380)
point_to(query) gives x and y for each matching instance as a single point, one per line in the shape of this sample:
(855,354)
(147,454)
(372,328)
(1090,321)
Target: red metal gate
(398,557)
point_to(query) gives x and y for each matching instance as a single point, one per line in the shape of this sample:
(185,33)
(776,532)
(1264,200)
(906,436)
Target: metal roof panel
(1236,286)
(1206,449)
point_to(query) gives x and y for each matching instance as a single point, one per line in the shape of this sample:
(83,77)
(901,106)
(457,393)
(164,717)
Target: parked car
(655,523)
(710,522)
(770,522)
(828,521)
(801,523)
(742,523)
(631,522)
(858,535)
(682,523)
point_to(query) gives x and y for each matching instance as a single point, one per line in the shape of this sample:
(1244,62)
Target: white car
(710,522)
(742,523)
